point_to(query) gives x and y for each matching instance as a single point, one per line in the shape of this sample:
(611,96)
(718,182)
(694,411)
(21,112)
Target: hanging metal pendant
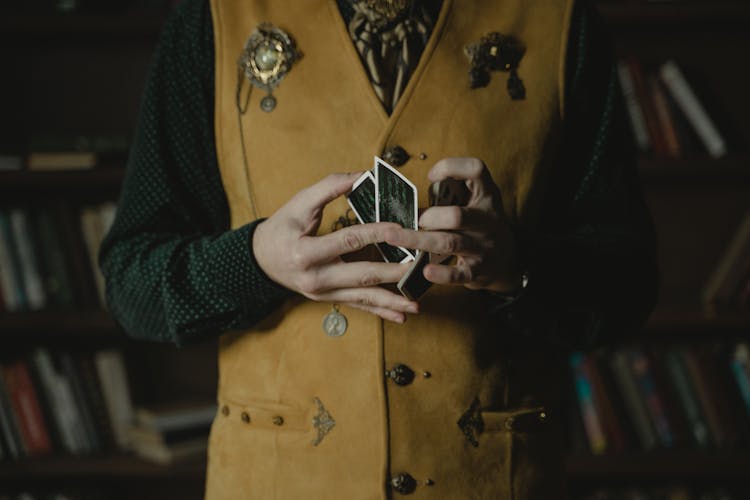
(496,52)
(335,323)
(267,58)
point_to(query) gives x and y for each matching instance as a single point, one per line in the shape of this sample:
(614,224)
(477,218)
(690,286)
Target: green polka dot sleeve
(174,270)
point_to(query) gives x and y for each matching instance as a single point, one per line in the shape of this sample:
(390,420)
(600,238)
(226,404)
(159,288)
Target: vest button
(403,483)
(401,375)
(395,156)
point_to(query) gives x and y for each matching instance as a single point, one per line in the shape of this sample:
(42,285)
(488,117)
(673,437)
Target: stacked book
(168,435)
(72,403)
(48,257)
(673,397)
(667,117)
(663,493)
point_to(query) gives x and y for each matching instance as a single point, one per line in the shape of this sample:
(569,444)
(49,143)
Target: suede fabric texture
(327,120)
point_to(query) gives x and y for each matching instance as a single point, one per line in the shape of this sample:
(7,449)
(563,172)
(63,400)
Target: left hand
(478,234)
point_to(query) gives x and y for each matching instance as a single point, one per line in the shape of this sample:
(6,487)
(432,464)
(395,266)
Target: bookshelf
(697,203)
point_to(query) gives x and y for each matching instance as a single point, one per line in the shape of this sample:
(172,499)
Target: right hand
(287,249)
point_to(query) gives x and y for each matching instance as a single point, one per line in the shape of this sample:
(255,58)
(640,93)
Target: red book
(26,408)
(645,99)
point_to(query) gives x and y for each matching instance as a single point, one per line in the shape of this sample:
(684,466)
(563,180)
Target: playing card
(362,200)
(395,199)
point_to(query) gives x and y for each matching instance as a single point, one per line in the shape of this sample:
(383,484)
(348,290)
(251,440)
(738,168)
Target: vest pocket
(534,451)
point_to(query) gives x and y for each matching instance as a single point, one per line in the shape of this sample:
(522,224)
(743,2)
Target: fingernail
(412,308)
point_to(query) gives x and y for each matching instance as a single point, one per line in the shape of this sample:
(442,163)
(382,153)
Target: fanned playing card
(397,196)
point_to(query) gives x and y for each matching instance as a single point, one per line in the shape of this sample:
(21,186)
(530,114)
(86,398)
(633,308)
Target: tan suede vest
(307,416)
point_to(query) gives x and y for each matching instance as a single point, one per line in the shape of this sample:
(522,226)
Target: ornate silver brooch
(268,56)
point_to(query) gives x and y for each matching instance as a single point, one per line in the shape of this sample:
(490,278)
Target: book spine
(633,402)
(635,113)
(52,257)
(86,419)
(647,105)
(54,392)
(664,117)
(703,392)
(584,391)
(740,364)
(613,432)
(32,281)
(95,400)
(686,396)
(696,114)
(114,384)
(653,401)
(11,264)
(9,426)
(727,276)
(26,407)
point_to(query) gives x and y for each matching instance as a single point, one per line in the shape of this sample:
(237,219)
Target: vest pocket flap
(517,420)
(268,415)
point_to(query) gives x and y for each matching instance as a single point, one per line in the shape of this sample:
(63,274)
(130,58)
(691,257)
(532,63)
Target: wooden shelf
(86,182)
(634,14)
(48,325)
(145,25)
(116,467)
(689,323)
(730,169)
(662,465)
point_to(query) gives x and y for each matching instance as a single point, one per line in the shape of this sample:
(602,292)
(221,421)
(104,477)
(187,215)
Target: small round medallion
(268,103)
(266,57)
(334,324)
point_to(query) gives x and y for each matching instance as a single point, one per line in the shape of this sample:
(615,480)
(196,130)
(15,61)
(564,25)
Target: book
(168,454)
(55,274)
(699,379)
(10,162)
(635,113)
(687,398)
(646,103)
(614,434)
(664,117)
(113,378)
(29,269)
(9,425)
(25,405)
(13,288)
(90,437)
(95,223)
(683,94)
(651,398)
(591,419)
(727,280)
(95,401)
(634,404)
(740,365)
(182,417)
(60,160)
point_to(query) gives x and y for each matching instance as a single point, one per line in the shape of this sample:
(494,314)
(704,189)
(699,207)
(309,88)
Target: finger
(458,274)
(458,168)
(370,296)
(439,242)
(354,275)
(347,240)
(324,191)
(452,218)
(387,314)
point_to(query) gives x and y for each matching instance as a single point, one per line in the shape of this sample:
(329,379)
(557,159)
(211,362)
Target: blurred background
(87,413)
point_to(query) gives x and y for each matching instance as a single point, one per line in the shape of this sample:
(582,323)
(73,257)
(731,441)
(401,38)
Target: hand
(478,234)
(289,252)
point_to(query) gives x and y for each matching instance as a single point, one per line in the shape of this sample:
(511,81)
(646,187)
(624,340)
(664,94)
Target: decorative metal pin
(323,422)
(496,52)
(267,58)
(335,323)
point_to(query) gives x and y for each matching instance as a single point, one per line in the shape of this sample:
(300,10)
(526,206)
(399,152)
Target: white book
(32,281)
(635,113)
(696,114)
(53,385)
(114,382)
(93,234)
